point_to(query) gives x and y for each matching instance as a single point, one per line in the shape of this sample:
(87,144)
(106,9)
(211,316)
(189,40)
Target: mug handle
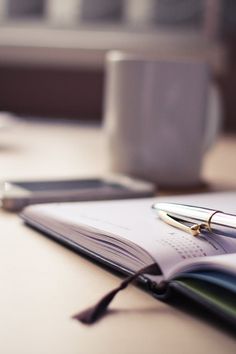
(214,117)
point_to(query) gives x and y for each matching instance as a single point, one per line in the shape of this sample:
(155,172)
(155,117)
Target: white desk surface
(42,283)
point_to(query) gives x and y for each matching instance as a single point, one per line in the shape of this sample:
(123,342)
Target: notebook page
(225,263)
(135,221)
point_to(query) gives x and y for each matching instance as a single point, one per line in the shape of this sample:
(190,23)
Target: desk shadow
(190,308)
(152,310)
(202,187)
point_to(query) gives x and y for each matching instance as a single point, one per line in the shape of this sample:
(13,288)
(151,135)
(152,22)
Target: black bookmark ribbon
(94,313)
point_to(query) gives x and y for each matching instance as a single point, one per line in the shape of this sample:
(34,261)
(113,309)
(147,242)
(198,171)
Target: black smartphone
(15,195)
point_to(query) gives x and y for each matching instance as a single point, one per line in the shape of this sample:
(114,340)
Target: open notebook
(128,235)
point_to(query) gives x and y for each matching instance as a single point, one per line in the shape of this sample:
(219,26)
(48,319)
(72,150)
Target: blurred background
(52,51)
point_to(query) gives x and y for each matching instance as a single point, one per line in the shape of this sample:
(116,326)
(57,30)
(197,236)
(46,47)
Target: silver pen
(193,219)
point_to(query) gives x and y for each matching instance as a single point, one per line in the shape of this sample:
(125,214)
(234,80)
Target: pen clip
(194,229)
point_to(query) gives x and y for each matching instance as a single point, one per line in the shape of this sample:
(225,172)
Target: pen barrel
(223,224)
(187,213)
(220,223)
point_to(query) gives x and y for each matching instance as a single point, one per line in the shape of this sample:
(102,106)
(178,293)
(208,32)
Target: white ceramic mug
(157,119)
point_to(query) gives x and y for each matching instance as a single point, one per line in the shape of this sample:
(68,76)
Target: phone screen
(67,185)
(18,194)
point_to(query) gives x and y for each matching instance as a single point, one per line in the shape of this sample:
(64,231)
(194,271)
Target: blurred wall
(74,92)
(52,92)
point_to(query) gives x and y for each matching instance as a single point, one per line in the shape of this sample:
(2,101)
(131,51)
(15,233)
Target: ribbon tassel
(94,313)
